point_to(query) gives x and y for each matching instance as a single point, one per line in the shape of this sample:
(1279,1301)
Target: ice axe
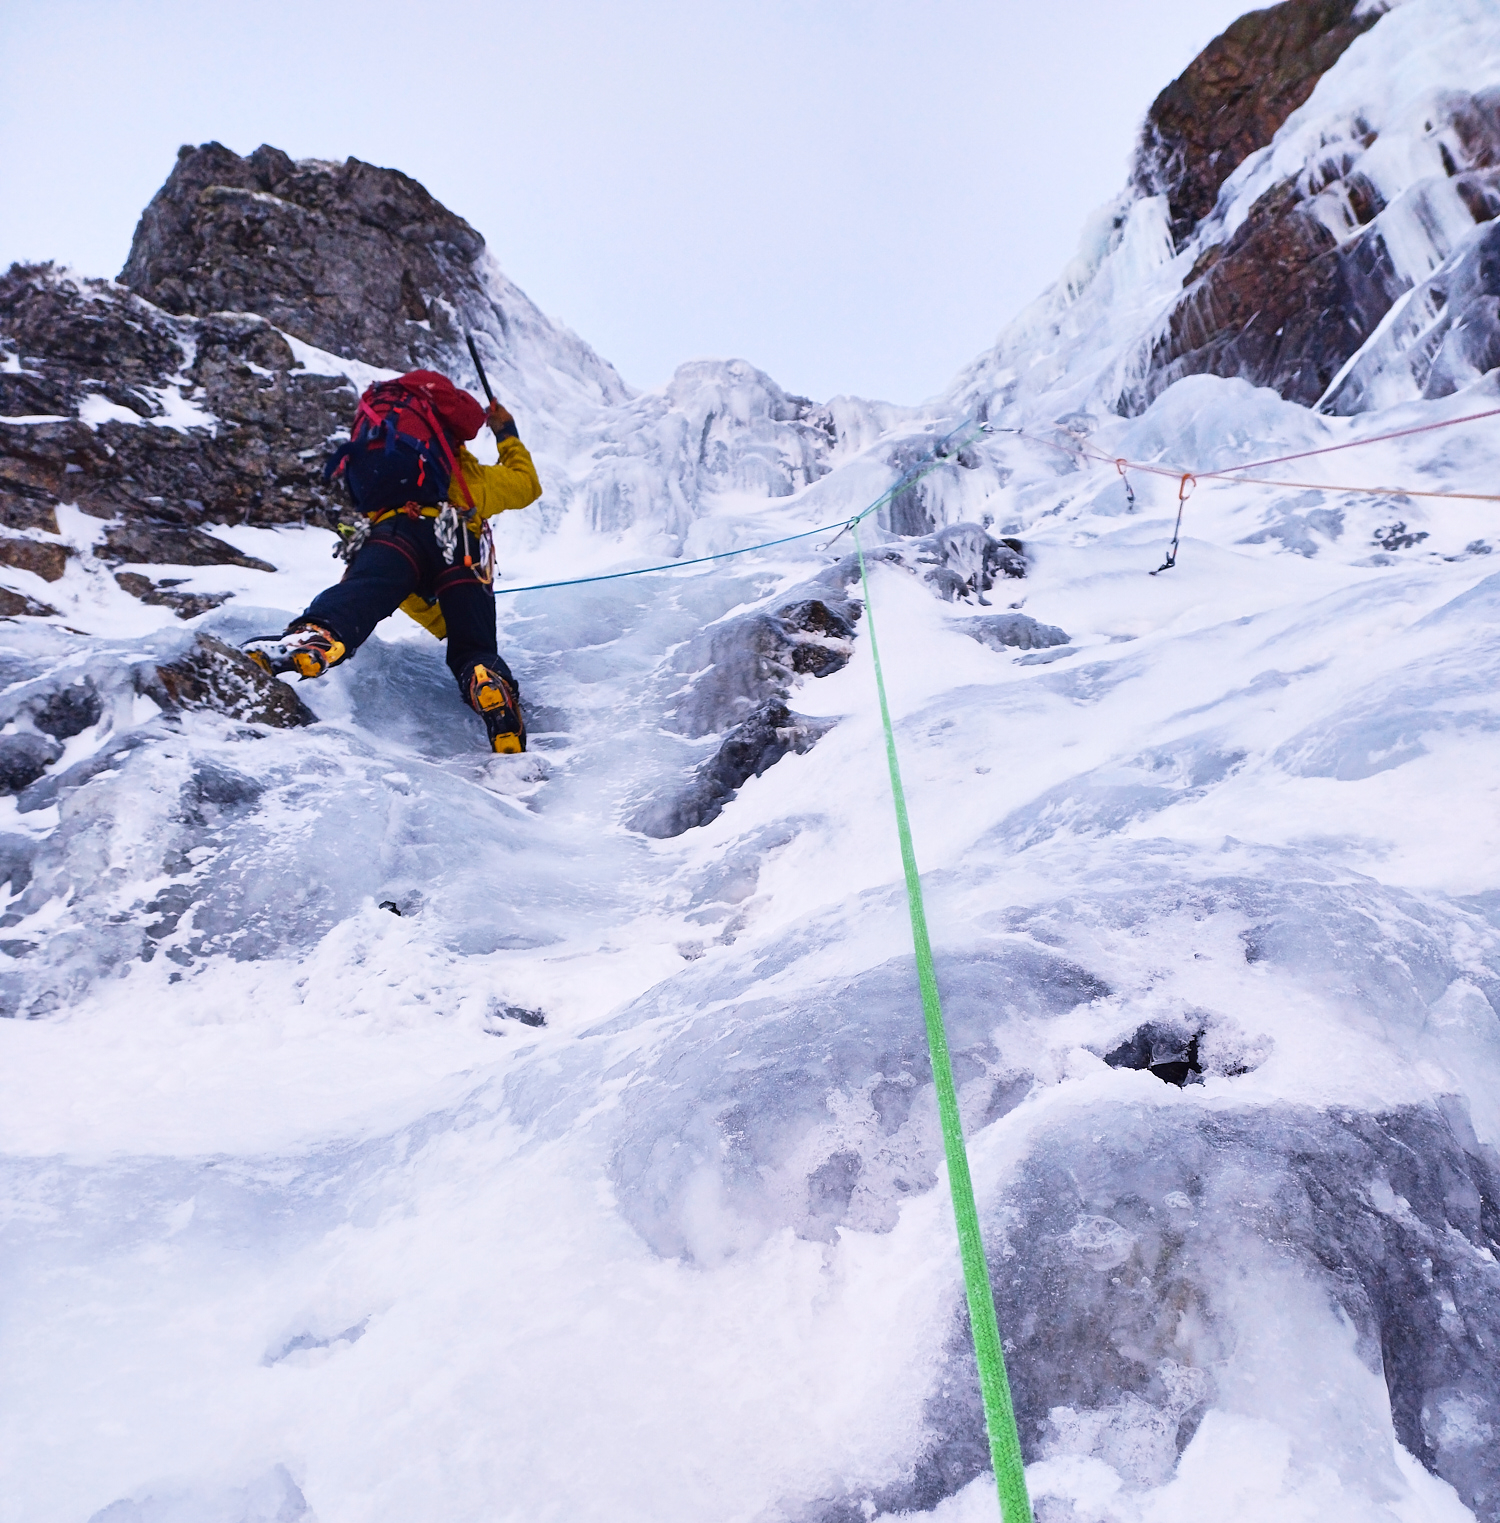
(484,380)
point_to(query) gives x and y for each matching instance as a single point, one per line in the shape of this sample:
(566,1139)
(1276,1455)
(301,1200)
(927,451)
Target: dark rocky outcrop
(24,758)
(154,544)
(1281,304)
(742,673)
(1233,98)
(757,743)
(348,257)
(172,398)
(15,605)
(37,726)
(47,559)
(1307,278)
(256,457)
(68,711)
(163,594)
(215,676)
(962,562)
(203,675)
(737,666)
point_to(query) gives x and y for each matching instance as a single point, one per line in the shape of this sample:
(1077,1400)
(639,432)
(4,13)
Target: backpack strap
(416,402)
(421,404)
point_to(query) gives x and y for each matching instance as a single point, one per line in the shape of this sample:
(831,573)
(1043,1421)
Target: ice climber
(422,542)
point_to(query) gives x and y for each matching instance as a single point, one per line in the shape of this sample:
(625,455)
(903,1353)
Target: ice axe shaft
(484,380)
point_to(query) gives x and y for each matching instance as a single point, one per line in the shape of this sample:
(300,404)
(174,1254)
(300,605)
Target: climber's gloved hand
(502,424)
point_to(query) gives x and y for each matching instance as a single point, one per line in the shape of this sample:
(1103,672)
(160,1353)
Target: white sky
(854,195)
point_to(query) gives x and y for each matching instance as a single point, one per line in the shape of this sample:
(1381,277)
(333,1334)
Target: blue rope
(940,456)
(613,576)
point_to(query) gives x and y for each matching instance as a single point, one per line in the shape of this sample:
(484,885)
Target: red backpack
(402,444)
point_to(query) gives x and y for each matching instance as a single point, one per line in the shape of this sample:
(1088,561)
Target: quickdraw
(1184,491)
(351,539)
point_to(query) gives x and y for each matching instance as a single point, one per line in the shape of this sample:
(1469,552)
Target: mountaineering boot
(496,703)
(307,649)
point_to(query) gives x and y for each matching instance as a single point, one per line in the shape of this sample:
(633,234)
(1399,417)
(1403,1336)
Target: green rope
(999,1415)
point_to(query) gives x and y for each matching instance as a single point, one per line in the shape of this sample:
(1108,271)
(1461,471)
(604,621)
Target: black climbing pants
(401,557)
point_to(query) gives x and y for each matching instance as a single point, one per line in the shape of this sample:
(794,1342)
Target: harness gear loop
(1129,490)
(1184,491)
(994,1385)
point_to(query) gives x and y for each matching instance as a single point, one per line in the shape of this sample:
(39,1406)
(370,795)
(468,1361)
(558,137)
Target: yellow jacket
(509,484)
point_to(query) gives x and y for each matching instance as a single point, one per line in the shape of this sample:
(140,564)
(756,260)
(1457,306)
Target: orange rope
(1329,449)
(1187,480)
(1321,486)
(1231,473)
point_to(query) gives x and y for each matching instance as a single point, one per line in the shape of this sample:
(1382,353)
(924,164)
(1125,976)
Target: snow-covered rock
(603,1179)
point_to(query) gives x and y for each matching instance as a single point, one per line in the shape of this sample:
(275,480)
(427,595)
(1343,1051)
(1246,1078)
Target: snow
(303,1222)
(315,361)
(176,410)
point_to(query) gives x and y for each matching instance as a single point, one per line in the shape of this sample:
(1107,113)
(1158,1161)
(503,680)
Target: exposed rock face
(1305,280)
(736,666)
(742,673)
(347,256)
(186,605)
(41,557)
(1234,96)
(1279,304)
(15,604)
(173,400)
(164,423)
(166,545)
(362,262)
(42,713)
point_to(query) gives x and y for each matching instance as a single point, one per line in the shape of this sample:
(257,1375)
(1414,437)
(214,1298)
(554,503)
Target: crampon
(496,702)
(307,649)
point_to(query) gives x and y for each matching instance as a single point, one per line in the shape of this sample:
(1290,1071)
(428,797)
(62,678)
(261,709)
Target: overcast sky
(854,195)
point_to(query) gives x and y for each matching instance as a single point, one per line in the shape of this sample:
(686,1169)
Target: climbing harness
(449,528)
(1184,491)
(994,1385)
